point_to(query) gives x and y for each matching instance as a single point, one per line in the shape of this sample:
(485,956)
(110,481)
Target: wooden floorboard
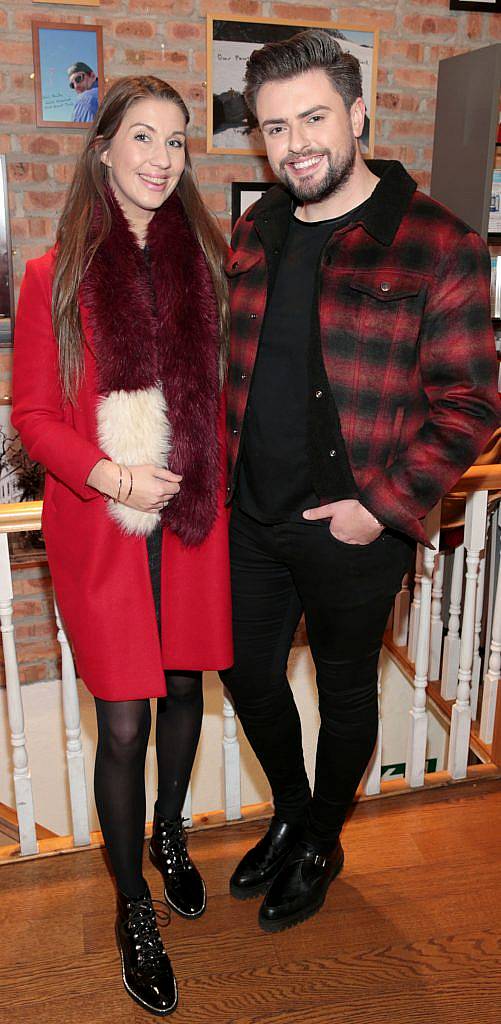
(410,932)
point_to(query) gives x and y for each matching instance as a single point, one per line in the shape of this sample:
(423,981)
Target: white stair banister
(418,718)
(437,626)
(450,663)
(477,660)
(491,677)
(415,606)
(474,540)
(21,773)
(74,749)
(231,760)
(401,614)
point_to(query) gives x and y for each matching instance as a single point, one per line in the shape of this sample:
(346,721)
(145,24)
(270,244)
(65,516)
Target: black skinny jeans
(346,592)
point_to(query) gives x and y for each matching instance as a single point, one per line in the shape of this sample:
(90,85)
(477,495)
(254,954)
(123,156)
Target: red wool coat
(100,575)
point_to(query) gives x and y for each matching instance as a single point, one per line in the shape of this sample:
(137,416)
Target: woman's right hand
(152,487)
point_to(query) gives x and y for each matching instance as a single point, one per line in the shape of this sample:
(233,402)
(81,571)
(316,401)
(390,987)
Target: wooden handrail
(479,478)
(20,515)
(27,515)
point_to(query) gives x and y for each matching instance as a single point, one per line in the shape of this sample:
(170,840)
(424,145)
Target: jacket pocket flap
(387,286)
(239,262)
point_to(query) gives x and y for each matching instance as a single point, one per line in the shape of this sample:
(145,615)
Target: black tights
(123,733)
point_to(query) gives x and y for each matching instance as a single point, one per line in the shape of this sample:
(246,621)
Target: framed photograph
(244,194)
(230,42)
(486,6)
(6,274)
(69,75)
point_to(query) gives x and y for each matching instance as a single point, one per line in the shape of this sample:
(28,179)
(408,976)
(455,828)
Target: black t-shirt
(274,481)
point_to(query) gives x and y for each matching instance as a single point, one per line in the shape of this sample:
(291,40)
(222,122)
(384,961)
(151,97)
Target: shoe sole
(182,913)
(301,915)
(137,999)
(249,894)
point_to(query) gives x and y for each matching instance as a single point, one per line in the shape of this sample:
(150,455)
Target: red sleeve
(37,404)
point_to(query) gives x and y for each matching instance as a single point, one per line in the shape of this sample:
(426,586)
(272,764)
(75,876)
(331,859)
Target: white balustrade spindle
(491,677)
(474,539)
(477,661)
(418,723)
(415,606)
(231,760)
(21,773)
(437,626)
(401,614)
(74,750)
(450,662)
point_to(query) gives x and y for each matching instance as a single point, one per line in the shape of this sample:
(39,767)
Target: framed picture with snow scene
(231,127)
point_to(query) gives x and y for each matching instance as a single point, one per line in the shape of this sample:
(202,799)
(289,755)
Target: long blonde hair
(75,248)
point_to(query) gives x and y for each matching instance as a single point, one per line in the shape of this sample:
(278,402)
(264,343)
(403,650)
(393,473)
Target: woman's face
(146,158)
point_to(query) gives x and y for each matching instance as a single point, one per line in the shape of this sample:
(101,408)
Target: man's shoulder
(439,224)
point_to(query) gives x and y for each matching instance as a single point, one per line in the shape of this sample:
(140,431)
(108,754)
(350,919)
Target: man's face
(80,81)
(309,135)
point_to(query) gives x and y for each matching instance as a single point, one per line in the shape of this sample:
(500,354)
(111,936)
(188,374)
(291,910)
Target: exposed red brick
(185,30)
(418,78)
(430,25)
(215,200)
(43,200)
(136,29)
(302,12)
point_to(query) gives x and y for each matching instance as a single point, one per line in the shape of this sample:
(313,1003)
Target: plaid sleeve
(459,376)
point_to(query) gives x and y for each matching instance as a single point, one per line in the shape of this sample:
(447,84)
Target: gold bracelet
(131,484)
(119,487)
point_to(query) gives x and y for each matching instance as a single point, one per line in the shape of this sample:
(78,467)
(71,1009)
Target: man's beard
(337,175)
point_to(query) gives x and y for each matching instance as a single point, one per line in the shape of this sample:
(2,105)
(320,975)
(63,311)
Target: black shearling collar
(381,215)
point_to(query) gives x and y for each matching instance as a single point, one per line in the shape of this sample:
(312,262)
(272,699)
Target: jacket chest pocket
(389,308)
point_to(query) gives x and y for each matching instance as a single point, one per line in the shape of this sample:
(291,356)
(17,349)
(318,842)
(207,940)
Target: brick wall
(167,38)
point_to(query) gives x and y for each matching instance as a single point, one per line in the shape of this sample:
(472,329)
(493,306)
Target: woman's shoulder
(40,270)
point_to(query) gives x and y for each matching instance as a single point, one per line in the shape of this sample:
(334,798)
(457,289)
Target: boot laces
(173,845)
(143,923)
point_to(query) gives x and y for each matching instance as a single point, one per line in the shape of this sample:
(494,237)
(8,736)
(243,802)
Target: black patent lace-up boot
(146,968)
(184,888)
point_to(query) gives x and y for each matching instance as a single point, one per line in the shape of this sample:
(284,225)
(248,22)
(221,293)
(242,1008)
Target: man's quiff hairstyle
(306,51)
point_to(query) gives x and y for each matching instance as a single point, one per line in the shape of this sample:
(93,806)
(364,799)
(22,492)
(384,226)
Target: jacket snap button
(235,431)
(252,316)
(276,252)
(318,394)
(332,452)
(243,376)
(385,286)
(235,265)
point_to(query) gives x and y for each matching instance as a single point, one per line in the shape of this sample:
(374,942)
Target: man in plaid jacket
(362,386)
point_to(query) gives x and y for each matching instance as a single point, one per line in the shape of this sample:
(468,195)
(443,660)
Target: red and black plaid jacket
(406,336)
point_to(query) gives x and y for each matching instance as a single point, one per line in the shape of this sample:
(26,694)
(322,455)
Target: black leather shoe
(184,888)
(258,867)
(300,888)
(146,969)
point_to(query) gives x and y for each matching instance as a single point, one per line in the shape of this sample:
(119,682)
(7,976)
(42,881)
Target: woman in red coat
(118,367)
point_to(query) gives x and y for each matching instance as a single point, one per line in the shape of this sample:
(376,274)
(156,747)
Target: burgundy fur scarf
(155,328)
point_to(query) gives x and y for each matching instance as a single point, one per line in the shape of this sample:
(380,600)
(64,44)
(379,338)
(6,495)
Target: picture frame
(64,99)
(74,3)
(484,7)
(243,194)
(7,305)
(230,41)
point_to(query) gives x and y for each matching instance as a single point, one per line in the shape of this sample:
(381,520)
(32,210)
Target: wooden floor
(410,932)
